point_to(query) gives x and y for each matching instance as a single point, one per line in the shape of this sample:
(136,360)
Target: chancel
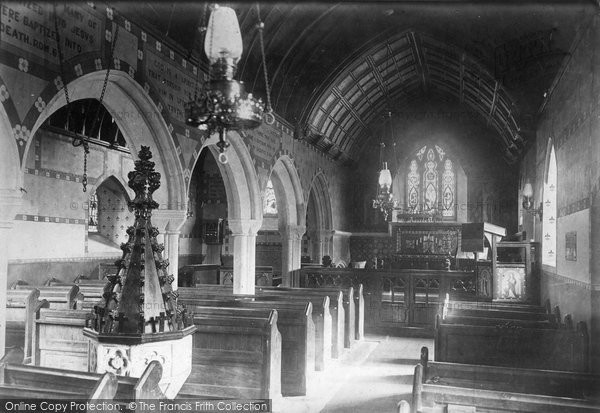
(301,207)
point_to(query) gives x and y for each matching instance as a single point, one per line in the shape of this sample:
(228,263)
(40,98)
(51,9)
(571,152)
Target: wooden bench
(143,388)
(235,357)
(295,325)
(60,296)
(498,305)
(503,314)
(512,346)
(438,385)
(321,318)
(498,322)
(324,343)
(34,382)
(22,309)
(348,303)
(336,305)
(91,291)
(59,341)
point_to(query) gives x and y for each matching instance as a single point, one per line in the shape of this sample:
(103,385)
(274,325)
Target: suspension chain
(269,118)
(77,140)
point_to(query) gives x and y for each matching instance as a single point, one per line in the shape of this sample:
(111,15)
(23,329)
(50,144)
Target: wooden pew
(498,305)
(22,309)
(325,345)
(488,388)
(336,305)
(235,358)
(26,381)
(143,388)
(321,317)
(294,323)
(498,322)
(60,296)
(34,382)
(59,341)
(503,314)
(359,308)
(511,346)
(91,291)
(321,346)
(348,302)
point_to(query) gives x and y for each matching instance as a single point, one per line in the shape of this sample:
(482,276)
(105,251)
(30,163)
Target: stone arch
(140,121)
(288,190)
(244,206)
(322,231)
(291,214)
(11,180)
(124,186)
(12,175)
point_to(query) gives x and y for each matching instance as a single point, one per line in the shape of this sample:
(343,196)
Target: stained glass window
(269,202)
(93,213)
(431,183)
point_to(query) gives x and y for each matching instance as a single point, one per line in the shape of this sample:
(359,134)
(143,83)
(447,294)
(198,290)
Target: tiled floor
(371,377)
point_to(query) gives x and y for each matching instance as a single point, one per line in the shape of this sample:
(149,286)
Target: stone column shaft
(243,237)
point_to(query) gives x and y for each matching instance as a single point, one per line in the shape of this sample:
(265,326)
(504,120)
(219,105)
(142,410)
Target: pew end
(106,388)
(403,406)
(147,385)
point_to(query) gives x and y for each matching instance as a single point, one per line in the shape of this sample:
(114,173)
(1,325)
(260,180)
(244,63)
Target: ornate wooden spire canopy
(139,299)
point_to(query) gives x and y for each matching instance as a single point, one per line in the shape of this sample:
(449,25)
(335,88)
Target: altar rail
(395,298)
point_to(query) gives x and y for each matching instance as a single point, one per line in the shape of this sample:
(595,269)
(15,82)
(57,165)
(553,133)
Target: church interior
(300,207)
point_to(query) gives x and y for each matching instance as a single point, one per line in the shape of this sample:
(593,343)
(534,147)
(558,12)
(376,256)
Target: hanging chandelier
(384,200)
(223,104)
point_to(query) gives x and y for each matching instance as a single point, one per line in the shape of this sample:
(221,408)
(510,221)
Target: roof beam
(415,43)
(379,78)
(493,105)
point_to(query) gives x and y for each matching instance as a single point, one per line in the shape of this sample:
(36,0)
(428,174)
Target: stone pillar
(169,223)
(243,238)
(291,251)
(10,201)
(325,243)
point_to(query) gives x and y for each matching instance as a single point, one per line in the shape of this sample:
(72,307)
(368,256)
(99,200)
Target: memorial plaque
(31,27)
(174,84)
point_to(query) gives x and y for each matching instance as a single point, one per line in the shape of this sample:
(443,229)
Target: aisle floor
(372,377)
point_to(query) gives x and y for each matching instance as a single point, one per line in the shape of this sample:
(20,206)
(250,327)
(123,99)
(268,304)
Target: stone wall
(571,122)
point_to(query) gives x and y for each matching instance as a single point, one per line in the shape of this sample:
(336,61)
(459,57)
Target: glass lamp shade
(223,37)
(528,190)
(385,177)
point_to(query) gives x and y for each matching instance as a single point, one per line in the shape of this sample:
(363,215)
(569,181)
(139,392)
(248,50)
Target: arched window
(431,183)
(549,214)
(93,213)
(269,202)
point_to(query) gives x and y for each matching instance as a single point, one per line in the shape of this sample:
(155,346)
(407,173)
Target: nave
(248,201)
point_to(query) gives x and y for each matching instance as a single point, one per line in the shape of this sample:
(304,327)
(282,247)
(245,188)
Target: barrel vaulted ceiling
(336,69)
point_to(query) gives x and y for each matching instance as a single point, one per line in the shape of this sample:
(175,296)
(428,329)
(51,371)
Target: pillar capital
(247,227)
(169,220)
(292,231)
